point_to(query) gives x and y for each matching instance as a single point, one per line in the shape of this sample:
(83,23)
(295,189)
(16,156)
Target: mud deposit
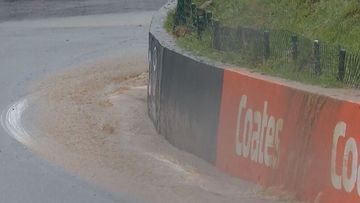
(92,121)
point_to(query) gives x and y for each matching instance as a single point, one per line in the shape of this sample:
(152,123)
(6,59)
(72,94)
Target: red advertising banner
(283,137)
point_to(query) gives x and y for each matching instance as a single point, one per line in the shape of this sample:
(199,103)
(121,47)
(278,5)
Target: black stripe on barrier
(190,104)
(155,55)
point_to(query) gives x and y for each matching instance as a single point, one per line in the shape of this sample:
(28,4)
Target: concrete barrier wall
(190,104)
(255,128)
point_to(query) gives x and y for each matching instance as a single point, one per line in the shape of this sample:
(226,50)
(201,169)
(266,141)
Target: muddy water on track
(92,121)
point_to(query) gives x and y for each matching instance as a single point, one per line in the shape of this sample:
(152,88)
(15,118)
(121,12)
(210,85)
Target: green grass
(168,25)
(335,22)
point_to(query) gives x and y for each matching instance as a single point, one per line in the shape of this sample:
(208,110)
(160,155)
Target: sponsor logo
(348,177)
(258,134)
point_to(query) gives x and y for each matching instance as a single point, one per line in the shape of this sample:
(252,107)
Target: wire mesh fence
(289,54)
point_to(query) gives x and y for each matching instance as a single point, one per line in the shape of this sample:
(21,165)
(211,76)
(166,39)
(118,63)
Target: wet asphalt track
(37,38)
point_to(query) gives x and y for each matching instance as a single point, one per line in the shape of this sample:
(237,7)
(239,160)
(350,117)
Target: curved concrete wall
(270,131)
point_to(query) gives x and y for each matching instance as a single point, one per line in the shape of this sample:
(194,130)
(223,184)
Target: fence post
(294,46)
(239,35)
(198,24)
(216,34)
(266,45)
(179,14)
(317,57)
(342,67)
(182,11)
(193,14)
(187,8)
(209,16)
(201,21)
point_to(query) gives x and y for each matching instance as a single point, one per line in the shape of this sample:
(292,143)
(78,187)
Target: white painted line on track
(11,121)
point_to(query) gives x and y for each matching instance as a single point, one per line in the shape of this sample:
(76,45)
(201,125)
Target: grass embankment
(335,22)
